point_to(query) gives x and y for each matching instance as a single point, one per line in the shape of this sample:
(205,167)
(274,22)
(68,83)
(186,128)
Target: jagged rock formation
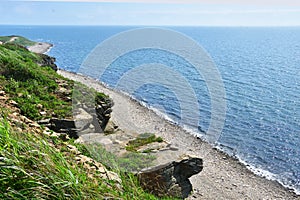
(171,179)
(62,126)
(93,168)
(48,61)
(85,121)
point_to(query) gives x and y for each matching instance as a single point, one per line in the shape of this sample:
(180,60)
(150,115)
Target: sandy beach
(40,47)
(223,177)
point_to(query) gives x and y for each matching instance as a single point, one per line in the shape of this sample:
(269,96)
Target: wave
(269,176)
(257,170)
(201,134)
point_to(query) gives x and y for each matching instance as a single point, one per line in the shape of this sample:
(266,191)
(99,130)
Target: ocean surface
(260,68)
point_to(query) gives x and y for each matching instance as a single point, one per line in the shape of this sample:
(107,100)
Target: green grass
(130,162)
(29,84)
(35,166)
(19,40)
(5,38)
(32,169)
(142,140)
(89,96)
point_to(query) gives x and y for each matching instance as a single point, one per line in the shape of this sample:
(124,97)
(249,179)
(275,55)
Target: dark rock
(103,110)
(171,179)
(61,126)
(48,61)
(58,124)
(87,119)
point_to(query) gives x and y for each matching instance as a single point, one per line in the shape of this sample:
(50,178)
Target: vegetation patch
(130,162)
(142,140)
(34,88)
(19,40)
(36,166)
(89,96)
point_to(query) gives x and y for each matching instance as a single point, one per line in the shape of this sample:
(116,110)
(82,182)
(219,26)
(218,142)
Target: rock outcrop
(103,110)
(85,120)
(48,61)
(171,179)
(63,126)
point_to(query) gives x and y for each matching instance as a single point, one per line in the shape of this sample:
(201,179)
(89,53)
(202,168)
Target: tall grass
(31,85)
(36,166)
(30,168)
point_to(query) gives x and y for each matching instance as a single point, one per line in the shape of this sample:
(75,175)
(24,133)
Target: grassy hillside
(19,40)
(34,165)
(34,88)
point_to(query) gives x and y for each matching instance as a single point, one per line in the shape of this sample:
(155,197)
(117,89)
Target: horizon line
(150,25)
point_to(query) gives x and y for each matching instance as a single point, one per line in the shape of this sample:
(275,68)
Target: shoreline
(223,177)
(40,47)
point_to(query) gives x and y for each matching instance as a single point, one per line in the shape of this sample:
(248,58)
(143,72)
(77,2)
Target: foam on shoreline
(259,171)
(223,177)
(40,47)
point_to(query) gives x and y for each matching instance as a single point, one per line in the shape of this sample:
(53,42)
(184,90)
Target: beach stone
(92,138)
(171,179)
(43,113)
(73,149)
(16,121)
(47,132)
(110,128)
(154,146)
(34,124)
(12,102)
(83,119)
(25,119)
(90,164)
(86,130)
(55,135)
(64,91)
(3,98)
(89,138)
(113,176)
(105,141)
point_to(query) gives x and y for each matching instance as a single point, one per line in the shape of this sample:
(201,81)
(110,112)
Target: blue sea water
(260,68)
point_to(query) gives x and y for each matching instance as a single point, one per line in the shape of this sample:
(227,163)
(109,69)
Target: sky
(151,12)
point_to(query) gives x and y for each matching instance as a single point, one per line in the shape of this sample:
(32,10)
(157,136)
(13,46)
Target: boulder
(60,126)
(83,119)
(87,119)
(103,110)
(110,128)
(171,179)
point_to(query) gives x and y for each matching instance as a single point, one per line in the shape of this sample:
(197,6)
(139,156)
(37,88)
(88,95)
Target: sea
(259,68)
